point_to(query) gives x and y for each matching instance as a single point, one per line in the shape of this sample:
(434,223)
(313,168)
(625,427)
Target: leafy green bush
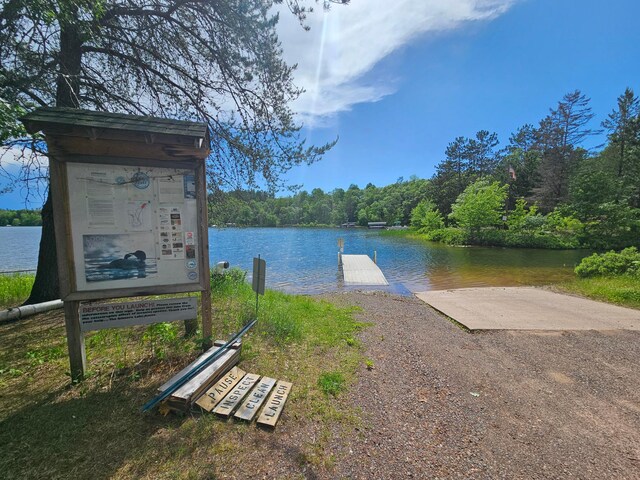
(450,236)
(481,205)
(536,239)
(627,262)
(426,217)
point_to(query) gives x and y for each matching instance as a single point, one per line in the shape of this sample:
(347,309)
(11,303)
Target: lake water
(304,260)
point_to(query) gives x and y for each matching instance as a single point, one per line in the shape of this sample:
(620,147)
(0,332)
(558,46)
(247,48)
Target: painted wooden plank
(215,394)
(361,270)
(255,399)
(229,403)
(275,404)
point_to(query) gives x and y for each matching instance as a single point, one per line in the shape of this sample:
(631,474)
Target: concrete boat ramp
(528,308)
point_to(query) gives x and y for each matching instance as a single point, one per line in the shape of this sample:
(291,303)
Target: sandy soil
(443,403)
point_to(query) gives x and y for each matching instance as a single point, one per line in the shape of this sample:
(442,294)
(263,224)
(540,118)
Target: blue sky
(397,81)
(492,65)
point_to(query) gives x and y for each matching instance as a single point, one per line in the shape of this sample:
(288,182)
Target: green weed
(331,383)
(14,289)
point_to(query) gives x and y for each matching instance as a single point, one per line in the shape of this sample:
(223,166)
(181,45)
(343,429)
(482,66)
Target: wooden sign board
(229,403)
(259,275)
(215,394)
(130,209)
(275,404)
(111,315)
(252,404)
(132,226)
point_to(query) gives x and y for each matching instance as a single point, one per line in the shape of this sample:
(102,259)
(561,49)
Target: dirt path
(443,403)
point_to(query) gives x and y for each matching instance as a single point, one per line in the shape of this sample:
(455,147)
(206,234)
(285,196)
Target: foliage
(160,336)
(224,282)
(480,205)
(17,218)
(449,235)
(559,137)
(520,218)
(14,289)
(426,218)
(626,262)
(392,203)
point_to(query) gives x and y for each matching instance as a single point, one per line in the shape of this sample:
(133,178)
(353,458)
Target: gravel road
(443,403)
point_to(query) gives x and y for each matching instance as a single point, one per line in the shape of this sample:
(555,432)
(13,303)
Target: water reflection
(306,260)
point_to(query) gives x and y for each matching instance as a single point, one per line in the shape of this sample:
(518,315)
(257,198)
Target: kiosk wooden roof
(71,131)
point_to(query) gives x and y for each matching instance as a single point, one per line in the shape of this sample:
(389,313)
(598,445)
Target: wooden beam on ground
(194,388)
(275,404)
(255,399)
(189,367)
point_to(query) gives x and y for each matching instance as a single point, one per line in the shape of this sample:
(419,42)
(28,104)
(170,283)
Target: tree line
(392,204)
(544,188)
(20,218)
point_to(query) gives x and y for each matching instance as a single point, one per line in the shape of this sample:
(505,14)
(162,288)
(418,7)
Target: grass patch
(50,428)
(14,289)
(331,383)
(622,290)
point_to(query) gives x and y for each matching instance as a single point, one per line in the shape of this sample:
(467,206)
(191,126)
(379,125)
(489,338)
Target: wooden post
(205,296)
(75,340)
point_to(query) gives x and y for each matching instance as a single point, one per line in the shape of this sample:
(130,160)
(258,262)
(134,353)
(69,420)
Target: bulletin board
(132,226)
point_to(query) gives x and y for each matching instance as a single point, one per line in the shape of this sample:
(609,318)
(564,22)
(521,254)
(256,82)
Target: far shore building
(378,225)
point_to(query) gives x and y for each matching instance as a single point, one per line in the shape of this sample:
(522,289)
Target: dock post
(375,257)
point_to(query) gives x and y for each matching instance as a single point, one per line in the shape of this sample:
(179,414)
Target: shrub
(426,217)
(480,205)
(450,236)
(627,262)
(222,282)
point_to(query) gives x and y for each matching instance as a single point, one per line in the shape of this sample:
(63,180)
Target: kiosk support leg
(205,311)
(75,341)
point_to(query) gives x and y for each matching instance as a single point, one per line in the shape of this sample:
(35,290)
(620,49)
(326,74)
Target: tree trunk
(46,286)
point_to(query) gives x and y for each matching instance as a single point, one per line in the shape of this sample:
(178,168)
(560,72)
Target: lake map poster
(132,226)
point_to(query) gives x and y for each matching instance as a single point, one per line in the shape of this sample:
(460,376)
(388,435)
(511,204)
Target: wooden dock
(361,270)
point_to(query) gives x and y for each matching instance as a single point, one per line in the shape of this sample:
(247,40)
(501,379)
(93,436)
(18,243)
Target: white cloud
(345,43)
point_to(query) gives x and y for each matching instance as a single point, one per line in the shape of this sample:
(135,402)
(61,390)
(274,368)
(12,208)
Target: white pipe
(28,310)
(221,266)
